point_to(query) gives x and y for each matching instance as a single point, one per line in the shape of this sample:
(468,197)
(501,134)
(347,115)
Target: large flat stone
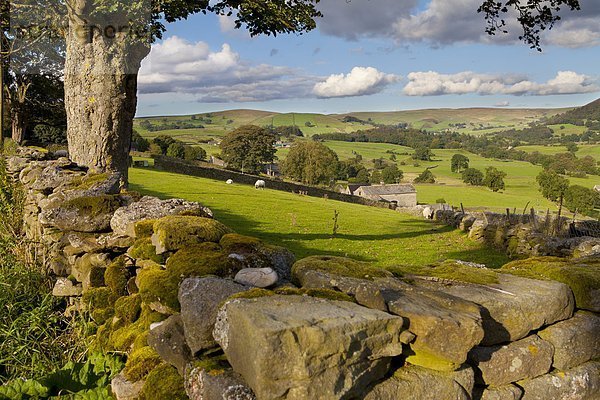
(579,383)
(506,392)
(523,359)
(513,307)
(167,339)
(417,383)
(446,327)
(575,340)
(124,219)
(295,347)
(200,299)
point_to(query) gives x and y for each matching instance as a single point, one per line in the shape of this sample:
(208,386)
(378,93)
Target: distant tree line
(167,125)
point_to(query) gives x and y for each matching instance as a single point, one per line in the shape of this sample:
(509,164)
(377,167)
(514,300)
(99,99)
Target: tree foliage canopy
(552,186)
(581,199)
(459,162)
(534,16)
(472,176)
(311,162)
(248,148)
(494,178)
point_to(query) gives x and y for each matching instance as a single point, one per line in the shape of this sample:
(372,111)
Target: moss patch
(128,308)
(319,293)
(116,276)
(581,275)
(140,362)
(143,249)
(145,228)
(177,232)
(338,266)
(235,243)
(164,383)
(88,181)
(427,360)
(97,298)
(215,365)
(451,270)
(122,337)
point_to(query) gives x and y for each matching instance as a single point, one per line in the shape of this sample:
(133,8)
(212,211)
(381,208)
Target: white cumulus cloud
(359,82)
(179,66)
(432,83)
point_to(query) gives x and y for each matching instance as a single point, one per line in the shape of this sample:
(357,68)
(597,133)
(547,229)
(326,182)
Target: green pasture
(305,224)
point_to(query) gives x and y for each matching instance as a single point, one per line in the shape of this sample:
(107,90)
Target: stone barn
(404,195)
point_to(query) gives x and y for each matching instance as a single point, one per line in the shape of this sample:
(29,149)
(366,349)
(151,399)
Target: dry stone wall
(204,313)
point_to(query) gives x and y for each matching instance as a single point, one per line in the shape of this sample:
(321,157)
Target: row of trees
(170,147)
(576,198)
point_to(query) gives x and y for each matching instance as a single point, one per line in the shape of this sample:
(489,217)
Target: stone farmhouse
(403,195)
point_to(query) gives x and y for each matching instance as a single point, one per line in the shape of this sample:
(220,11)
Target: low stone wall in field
(206,171)
(526,235)
(201,312)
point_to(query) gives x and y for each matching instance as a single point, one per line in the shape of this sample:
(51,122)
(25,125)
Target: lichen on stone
(94,205)
(88,181)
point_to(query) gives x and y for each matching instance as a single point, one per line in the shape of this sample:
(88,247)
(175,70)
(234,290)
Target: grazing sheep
(428,213)
(260,184)
(229,181)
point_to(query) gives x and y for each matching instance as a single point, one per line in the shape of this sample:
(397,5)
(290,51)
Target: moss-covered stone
(143,249)
(164,383)
(88,181)
(98,298)
(253,293)
(129,308)
(215,365)
(177,232)
(159,286)
(236,243)
(116,276)
(338,266)
(327,294)
(122,337)
(144,229)
(94,205)
(451,270)
(581,275)
(101,315)
(140,362)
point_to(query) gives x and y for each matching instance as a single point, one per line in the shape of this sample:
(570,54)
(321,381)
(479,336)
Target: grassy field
(521,186)
(584,150)
(304,224)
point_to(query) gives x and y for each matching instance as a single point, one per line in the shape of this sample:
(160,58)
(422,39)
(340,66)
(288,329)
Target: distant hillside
(579,116)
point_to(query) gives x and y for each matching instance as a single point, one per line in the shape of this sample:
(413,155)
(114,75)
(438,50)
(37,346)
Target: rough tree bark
(101,68)
(17,125)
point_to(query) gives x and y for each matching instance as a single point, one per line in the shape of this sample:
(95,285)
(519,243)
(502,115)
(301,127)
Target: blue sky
(372,55)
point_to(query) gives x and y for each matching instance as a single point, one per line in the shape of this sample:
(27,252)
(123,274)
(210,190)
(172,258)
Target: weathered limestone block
(168,340)
(523,359)
(98,243)
(513,307)
(446,327)
(81,214)
(579,383)
(200,299)
(222,384)
(123,389)
(295,347)
(177,232)
(575,340)
(416,383)
(477,231)
(466,223)
(65,288)
(257,277)
(506,392)
(149,207)
(581,275)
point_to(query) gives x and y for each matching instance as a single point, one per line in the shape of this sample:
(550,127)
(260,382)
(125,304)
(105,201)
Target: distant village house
(403,195)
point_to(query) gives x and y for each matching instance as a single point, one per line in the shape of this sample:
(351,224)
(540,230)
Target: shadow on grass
(296,242)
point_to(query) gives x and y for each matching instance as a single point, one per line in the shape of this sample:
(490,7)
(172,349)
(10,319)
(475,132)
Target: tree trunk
(100,89)
(18,125)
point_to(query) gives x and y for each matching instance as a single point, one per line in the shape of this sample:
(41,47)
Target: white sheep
(260,184)
(229,181)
